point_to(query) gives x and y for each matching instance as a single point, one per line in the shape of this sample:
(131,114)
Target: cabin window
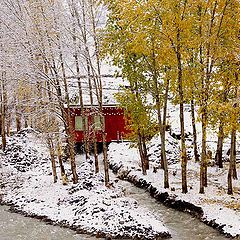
(97,122)
(79,123)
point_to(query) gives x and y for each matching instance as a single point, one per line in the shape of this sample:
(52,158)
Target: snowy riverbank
(215,207)
(87,207)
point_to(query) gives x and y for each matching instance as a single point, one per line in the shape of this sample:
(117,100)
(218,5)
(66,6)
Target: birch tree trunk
(18,120)
(161,124)
(99,93)
(141,152)
(234,171)
(218,157)
(196,155)
(60,159)
(203,165)
(8,124)
(145,152)
(52,156)
(181,99)
(75,16)
(164,162)
(88,65)
(3,110)
(70,132)
(231,162)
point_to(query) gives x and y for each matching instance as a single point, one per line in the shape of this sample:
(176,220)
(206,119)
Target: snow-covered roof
(110,86)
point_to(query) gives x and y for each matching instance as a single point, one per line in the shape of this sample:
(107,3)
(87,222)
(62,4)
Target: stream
(182,226)
(14,226)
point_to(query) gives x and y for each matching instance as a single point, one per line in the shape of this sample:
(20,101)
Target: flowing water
(17,227)
(182,226)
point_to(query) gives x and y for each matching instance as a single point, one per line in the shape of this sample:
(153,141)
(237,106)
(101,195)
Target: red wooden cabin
(114,122)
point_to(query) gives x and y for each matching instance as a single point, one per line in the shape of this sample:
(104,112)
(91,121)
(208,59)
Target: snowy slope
(217,206)
(86,207)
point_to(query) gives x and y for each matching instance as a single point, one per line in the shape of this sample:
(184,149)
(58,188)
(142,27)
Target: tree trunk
(8,125)
(163,147)
(196,155)
(161,124)
(75,16)
(69,129)
(218,157)
(105,159)
(181,99)
(66,116)
(231,162)
(18,121)
(25,121)
(3,111)
(96,156)
(164,163)
(99,92)
(203,165)
(88,64)
(165,104)
(234,168)
(59,153)
(142,156)
(145,152)
(51,151)
(206,77)
(183,151)
(62,169)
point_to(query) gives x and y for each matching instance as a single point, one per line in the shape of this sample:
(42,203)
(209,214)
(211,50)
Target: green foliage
(138,115)
(134,99)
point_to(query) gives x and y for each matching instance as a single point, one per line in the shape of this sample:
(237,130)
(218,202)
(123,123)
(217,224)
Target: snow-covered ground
(174,121)
(217,206)
(26,182)
(89,207)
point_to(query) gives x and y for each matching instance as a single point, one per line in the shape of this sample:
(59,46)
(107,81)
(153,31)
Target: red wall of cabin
(115,126)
